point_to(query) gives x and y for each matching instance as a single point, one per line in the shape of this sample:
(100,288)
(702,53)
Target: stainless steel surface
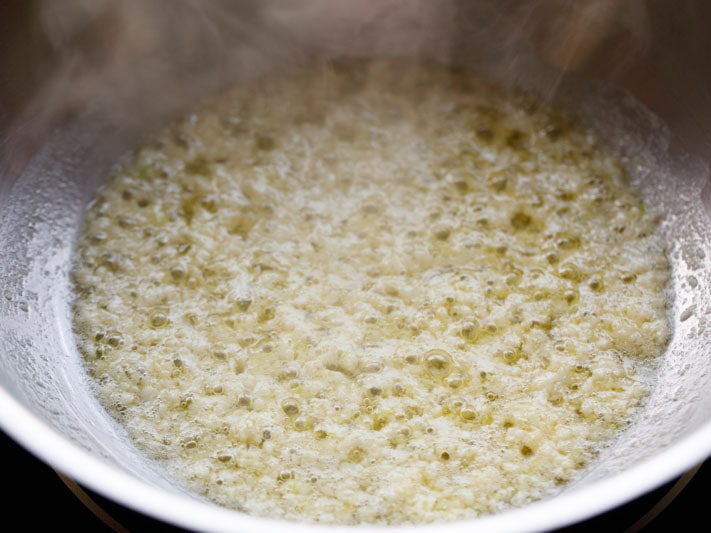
(82,83)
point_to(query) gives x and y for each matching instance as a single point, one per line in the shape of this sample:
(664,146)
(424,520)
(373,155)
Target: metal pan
(84,81)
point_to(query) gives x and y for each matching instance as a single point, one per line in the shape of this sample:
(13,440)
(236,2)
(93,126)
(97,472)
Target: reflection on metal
(664,502)
(90,504)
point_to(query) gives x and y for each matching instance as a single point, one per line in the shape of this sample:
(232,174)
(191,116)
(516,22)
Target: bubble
(113,341)
(491,396)
(290,406)
(442,233)
(444,456)
(456,404)
(111,262)
(455,380)
(438,363)
(582,368)
(412,411)
(243,303)
(244,400)
(555,398)
(513,277)
(320,434)
(266,314)
(628,277)
(158,319)
(467,413)
(461,186)
(596,283)
(498,182)
(98,237)
(198,166)
(185,402)
(510,356)
(516,139)
(526,451)
(567,242)
(177,273)
(224,457)
(520,220)
(184,248)
(375,391)
(209,204)
(570,271)
(285,475)
(373,367)
(125,222)
(266,434)
(356,455)
(567,196)
(303,423)
(571,296)
(470,330)
(264,142)
(398,389)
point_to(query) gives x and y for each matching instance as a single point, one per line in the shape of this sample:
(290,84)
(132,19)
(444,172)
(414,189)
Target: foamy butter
(376,294)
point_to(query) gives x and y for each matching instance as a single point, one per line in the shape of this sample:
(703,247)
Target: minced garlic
(370,294)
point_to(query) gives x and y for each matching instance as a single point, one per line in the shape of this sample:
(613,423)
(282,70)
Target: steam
(173,52)
(102,41)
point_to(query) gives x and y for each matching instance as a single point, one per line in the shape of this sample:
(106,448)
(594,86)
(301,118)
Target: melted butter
(377,294)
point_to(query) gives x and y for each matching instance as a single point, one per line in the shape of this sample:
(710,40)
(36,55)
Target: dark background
(39,500)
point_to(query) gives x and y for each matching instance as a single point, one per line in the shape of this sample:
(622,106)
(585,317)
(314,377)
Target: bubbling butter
(371,294)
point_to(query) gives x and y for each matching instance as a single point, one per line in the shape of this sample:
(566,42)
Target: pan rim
(53,448)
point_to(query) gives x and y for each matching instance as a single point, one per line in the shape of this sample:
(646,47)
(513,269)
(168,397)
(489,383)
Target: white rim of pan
(643,521)
(57,451)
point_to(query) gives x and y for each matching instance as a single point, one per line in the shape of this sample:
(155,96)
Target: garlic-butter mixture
(371,294)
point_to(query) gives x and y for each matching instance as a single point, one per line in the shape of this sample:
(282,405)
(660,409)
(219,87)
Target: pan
(88,80)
